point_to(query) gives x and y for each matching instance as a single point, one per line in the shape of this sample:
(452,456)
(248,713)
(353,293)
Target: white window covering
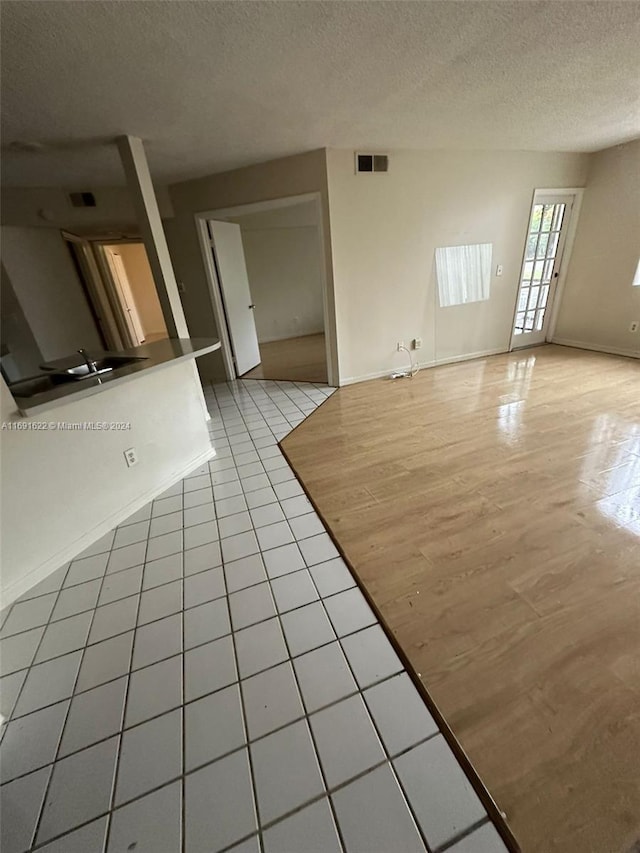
(636,278)
(463,273)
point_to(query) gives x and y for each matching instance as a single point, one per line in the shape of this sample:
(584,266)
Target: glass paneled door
(546,237)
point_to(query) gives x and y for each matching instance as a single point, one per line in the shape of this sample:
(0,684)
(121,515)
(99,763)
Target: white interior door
(546,237)
(231,269)
(126,298)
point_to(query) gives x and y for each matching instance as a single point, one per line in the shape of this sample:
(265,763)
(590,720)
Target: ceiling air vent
(372,163)
(82,199)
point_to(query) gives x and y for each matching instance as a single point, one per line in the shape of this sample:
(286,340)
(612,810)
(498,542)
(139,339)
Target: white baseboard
(365,377)
(629,353)
(38,574)
(352,380)
(289,337)
(469,356)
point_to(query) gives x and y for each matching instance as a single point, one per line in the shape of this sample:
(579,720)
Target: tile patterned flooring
(207,677)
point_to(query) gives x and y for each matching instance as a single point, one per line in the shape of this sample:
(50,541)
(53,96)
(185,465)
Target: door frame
(95,289)
(111,289)
(576,193)
(213,285)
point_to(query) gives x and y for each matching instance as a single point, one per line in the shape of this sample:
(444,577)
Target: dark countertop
(157,355)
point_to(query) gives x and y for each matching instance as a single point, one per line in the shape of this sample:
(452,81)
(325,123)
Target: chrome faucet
(90,364)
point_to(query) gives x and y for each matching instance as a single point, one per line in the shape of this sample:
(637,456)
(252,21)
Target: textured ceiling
(215,85)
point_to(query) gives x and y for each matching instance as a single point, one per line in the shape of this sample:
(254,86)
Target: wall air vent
(372,163)
(82,199)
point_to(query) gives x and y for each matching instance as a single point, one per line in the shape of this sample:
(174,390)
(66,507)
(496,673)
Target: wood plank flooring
(492,511)
(294,359)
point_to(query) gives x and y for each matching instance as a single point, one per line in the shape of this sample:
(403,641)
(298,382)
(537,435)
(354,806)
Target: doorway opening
(135,291)
(282,252)
(549,233)
(119,286)
(266,273)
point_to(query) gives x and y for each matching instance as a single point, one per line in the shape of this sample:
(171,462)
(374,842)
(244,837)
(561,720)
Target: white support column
(136,169)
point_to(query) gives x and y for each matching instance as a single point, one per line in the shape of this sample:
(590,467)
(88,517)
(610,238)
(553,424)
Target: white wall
(62,490)
(385,229)
(283,253)
(599,301)
(47,286)
(114,208)
(19,351)
(290,176)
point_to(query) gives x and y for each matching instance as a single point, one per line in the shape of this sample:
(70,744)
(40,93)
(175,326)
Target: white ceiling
(215,85)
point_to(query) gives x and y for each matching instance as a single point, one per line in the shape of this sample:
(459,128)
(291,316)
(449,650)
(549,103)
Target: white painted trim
(578,194)
(288,337)
(565,342)
(470,356)
(257,207)
(96,290)
(558,190)
(566,260)
(365,377)
(330,325)
(352,380)
(330,320)
(215,295)
(37,575)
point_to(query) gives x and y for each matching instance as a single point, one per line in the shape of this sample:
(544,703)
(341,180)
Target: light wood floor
(492,511)
(295,359)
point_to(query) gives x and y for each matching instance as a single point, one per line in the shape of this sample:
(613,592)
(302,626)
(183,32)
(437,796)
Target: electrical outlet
(399,346)
(499,269)
(634,325)
(417,343)
(131,457)
(181,287)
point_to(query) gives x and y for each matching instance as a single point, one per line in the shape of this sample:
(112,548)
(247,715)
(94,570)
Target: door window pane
(544,295)
(552,245)
(539,320)
(531,247)
(523,299)
(536,217)
(533,298)
(547,217)
(542,246)
(558,216)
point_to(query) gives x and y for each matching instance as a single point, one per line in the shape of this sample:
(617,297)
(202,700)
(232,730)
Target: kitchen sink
(102,365)
(82,371)
(58,375)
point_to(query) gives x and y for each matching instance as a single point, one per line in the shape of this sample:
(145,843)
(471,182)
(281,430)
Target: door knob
(252,306)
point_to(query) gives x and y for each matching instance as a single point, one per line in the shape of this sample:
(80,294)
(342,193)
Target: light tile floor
(207,677)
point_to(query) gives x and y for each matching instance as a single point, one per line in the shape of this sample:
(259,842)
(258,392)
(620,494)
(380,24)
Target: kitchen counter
(157,356)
